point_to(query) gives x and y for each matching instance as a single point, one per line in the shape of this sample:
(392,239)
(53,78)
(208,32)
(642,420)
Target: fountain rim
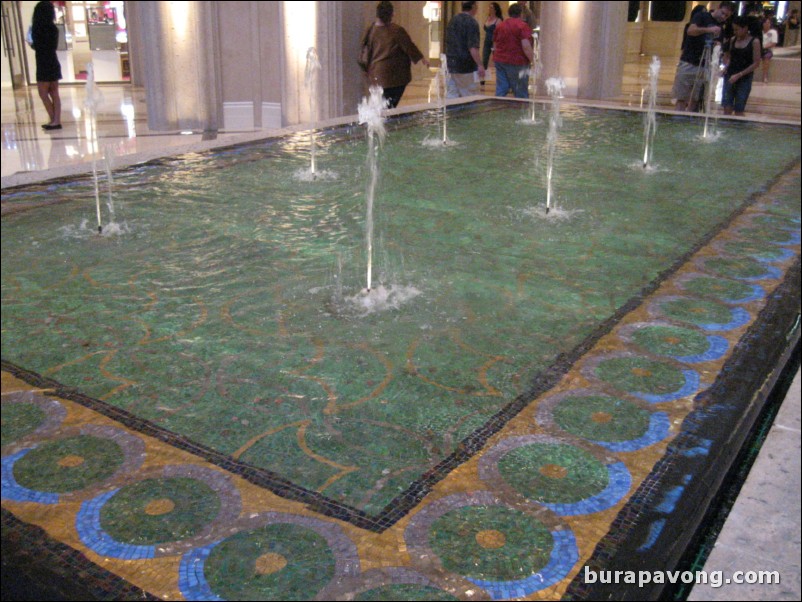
(225,139)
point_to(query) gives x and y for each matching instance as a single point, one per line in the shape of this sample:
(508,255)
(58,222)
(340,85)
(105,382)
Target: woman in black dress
(48,70)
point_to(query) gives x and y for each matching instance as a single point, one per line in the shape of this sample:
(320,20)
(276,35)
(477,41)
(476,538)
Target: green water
(220,310)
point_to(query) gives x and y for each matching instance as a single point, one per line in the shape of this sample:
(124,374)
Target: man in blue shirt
(462,53)
(704,29)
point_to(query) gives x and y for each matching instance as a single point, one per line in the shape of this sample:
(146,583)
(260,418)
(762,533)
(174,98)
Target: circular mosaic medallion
(670,340)
(508,551)
(173,508)
(76,465)
(69,464)
(565,478)
(723,289)
(612,422)
(601,418)
(683,344)
(777,229)
(708,315)
(275,562)
(26,413)
(651,380)
(762,251)
(553,473)
(159,510)
(490,543)
(741,268)
(286,557)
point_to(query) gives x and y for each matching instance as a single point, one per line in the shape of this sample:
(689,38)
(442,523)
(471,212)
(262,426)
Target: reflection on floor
(28,153)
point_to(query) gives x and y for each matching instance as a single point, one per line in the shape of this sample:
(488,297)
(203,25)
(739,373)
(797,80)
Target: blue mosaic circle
(163,513)
(615,423)
(482,521)
(707,315)
(273,556)
(684,344)
(721,289)
(547,470)
(74,465)
(642,377)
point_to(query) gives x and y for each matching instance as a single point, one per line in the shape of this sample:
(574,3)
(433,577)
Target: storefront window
(91,32)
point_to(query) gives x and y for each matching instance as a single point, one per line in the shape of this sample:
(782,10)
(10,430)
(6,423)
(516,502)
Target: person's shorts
(684,81)
(767,54)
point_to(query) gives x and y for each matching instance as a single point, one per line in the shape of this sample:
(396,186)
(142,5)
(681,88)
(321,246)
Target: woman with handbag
(387,53)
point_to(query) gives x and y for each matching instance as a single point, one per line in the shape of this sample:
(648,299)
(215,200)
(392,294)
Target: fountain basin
(215,317)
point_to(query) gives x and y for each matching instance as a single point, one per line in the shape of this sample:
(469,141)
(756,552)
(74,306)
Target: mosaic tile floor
(599,470)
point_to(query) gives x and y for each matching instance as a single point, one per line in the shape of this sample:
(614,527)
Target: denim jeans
(735,95)
(508,77)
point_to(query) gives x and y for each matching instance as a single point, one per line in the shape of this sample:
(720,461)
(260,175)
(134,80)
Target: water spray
(310,80)
(370,113)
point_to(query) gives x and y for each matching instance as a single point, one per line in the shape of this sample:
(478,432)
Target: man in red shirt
(512,54)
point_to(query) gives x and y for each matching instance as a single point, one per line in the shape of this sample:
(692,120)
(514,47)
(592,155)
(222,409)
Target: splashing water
(712,81)
(108,157)
(439,87)
(93,98)
(380,298)
(555,87)
(533,73)
(310,81)
(370,113)
(650,120)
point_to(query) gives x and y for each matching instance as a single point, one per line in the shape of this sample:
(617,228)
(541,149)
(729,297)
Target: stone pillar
(584,43)
(179,57)
(333,29)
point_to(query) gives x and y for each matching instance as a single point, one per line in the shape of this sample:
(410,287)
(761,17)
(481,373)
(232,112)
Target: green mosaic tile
(554,473)
(764,250)
(697,311)
(720,288)
(494,543)
(637,374)
(744,267)
(389,593)
(601,418)
(159,510)
(19,419)
(671,340)
(275,562)
(69,464)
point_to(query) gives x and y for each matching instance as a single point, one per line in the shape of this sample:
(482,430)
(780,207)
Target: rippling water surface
(220,304)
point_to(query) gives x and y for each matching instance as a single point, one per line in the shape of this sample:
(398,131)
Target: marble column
(179,58)
(584,43)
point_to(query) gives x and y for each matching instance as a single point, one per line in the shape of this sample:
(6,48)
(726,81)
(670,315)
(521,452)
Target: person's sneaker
(48,126)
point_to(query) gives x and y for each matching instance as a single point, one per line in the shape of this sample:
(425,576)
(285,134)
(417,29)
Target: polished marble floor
(30,154)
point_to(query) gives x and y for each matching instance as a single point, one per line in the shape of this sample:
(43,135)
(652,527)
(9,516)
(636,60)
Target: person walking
(44,35)
(494,18)
(513,54)
(391,53)
(462,53)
